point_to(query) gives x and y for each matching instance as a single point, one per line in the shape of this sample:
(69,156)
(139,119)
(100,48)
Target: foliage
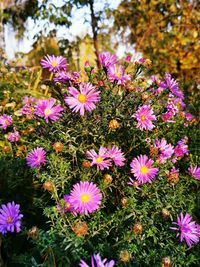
(166,31)
(110,229)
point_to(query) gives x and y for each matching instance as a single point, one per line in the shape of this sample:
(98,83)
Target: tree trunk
(94,25)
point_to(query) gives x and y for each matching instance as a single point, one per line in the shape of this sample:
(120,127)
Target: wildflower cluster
(113,157)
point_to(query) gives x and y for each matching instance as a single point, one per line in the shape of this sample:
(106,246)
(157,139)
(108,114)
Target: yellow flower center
(7,122)
(118,74)
(85,197)
(144,170)
(9,219)
(82,98)
(47,111)
(67,205)
(54,64)
(143,118)
(99,159)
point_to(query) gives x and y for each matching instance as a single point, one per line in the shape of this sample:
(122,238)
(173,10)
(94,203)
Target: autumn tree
(166,31)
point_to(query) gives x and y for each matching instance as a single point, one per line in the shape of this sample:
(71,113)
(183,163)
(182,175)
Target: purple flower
(142,169)
(188,116)
(107,59)
(67,207)
(116,74)
(82,99)
(172,85)
(14,136)
(54,63)
(195,171)
(100,159)
(96,261)
(171,107)
(45,108)
(188,230)
(36,157)
(144,116)
(116,155)
(10,218)
(181,148)
(5,121)
(165,150)
(85,197)
(28,100)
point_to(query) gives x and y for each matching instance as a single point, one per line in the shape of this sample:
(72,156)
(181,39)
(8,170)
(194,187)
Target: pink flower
(96,261)
(101,160)
(144,116)
(36,157)
(116,155)
(167,117)
(142,169)
(165,150)
(188,230)
(82,99)
(5,121)
(45,108)
(14,136)
(172,85)
(107,59)
(54,63)
(66,206)
(195,171)
(85,197)
(181,148)
(116,74)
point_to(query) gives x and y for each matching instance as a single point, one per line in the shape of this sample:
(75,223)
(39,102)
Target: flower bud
(86,164)
(113,124)
(137,228)
(80,229)
(107,178)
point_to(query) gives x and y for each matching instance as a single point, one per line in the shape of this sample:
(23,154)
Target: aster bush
(109,150)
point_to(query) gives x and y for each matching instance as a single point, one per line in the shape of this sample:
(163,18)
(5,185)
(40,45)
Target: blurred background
(165,31)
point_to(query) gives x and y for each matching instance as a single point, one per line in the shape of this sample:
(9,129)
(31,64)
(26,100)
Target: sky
(78,28)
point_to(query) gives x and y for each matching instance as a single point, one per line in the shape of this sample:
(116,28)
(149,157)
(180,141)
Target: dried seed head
(124,201)
(113,124)
(48,185)
(165,212)
(80,228)
(86,164)
(166,262)
(58,146)
(124,256)
(33,232)
(107,178)
(173,178)
(137,228)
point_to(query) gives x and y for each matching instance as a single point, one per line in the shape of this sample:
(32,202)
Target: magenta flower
(188,230)
(167,117)
(10,218)
(116,74)
(45,108)
(85,197)
(67,207)
(54,63)
(100,159)
(144,116)
(116,155)
(181,148)
(36,157)
(188,116)
(172,107)
(165,150)
(82,99)
(194,171)
(14,136)
(96,261)
(107,59)
(28,100)
(142,169)
(5,121)
(172,85)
